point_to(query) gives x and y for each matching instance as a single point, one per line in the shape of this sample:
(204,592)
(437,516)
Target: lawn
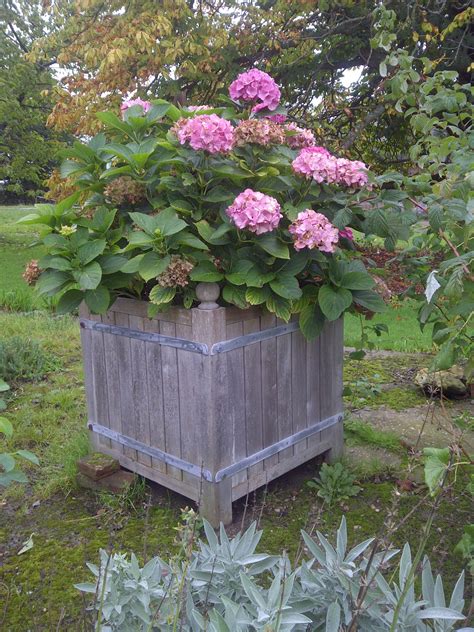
(17,247)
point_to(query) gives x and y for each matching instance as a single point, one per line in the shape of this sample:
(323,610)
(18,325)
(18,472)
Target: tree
(188,50)
(27,146)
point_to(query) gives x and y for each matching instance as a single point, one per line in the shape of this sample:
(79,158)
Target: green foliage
(223,585)
(22,359)
(9,470)
(334,484)
(439,109)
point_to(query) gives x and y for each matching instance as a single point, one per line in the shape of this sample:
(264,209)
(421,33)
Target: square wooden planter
(211,403)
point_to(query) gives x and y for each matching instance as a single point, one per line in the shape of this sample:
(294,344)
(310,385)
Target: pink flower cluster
(208,132)
(353,173)
(256,87)
(302,137)
(346,233)
(317,163)
(276,118)
(314,230)
(257,212)
(146,105)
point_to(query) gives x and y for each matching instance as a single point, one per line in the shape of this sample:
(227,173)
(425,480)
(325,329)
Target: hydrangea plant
(169,197)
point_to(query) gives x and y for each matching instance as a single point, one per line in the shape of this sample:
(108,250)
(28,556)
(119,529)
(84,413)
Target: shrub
(225,586)
(169,197)
(22,359)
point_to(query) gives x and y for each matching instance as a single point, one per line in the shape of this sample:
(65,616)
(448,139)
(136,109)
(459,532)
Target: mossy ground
(70,525)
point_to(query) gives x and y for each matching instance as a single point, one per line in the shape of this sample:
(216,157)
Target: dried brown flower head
(32,272)
(258,132)
(125,190)
(176,274)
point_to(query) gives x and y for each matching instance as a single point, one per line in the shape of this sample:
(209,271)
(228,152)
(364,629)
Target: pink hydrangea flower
(352,173)
(256,87)
(277,118)
(255,211)
(302,138)
(314,230)
(346,233)
(316,163)
(208,132)
(146,105)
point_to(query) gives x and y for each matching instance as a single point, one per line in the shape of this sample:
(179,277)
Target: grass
(365,434)
(404,333)
(17,247)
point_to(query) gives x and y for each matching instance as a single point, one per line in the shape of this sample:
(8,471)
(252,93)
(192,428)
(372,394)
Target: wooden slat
(217,440)
(86,342)
(298,386)
(284,393)
(113,380)
(169,368)
(193,403)
(125,391)
(313,387)
(269,389)
(237,421)
(100,380)
(140,388)
(253,396)
(140,308)
(236,315)
(330,369)
(155,395)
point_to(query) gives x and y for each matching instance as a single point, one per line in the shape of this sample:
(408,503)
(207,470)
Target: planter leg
(216,502)
(337,441)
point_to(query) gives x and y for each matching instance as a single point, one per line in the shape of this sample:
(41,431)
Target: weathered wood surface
(212,411)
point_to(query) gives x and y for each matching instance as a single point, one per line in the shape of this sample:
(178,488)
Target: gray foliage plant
(223,585)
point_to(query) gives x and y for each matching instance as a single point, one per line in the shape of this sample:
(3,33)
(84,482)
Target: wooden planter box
(211,403)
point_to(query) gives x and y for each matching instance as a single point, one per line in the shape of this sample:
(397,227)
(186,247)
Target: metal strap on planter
(277,447)
(190,345)
(200,472)
(156,453)
(166,341)
(248,339)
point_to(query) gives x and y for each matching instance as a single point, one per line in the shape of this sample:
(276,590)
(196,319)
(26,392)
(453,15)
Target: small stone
(116,483)
(451,383)
(97,465)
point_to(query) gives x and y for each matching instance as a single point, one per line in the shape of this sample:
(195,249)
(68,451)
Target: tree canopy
(187,51)
(28,146)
